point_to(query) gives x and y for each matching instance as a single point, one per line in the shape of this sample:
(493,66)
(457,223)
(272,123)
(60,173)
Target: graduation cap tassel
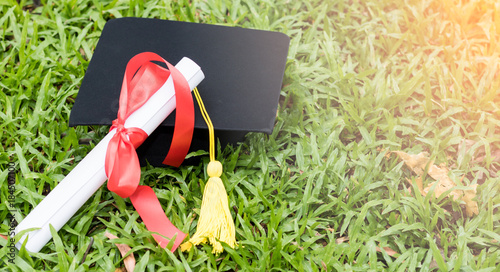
(216,223)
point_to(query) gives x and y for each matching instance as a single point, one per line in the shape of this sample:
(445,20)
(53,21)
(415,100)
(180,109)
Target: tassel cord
(210,126)
(215,223)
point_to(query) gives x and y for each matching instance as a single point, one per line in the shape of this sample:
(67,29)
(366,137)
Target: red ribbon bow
(141,80)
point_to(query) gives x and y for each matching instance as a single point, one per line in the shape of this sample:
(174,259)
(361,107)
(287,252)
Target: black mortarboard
(243,75)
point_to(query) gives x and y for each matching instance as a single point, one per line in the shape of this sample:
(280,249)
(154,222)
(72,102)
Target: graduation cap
(243,71)
(243,75)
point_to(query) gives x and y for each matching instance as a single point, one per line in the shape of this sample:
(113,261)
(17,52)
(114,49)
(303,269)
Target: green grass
(321,192)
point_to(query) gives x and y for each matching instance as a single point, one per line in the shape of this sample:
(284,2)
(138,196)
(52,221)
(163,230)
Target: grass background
(321,193)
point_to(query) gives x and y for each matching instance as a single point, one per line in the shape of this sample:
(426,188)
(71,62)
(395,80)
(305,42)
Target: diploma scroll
(89,175)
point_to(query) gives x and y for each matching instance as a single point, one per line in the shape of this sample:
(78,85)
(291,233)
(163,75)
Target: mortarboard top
(243,75)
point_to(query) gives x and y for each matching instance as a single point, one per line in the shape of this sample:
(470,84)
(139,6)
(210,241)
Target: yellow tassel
(216,223)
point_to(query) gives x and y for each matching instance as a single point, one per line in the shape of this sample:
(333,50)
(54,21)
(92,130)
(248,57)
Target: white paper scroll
(89,175)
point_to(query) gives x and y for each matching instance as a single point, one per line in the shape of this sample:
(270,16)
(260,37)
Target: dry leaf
(342,239)
(420,184)
(440,174)
(129,261)
(391,252)
(471,207)
(418,163)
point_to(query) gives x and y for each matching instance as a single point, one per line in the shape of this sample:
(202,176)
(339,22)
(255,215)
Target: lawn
(327,190)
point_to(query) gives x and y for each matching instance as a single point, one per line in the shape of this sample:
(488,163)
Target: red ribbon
(141,80)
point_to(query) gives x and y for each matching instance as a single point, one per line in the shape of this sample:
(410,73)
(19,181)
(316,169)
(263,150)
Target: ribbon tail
(147,205)
(184,119)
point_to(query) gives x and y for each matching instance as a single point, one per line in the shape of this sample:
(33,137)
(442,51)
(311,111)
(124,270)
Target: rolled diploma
(89,175)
